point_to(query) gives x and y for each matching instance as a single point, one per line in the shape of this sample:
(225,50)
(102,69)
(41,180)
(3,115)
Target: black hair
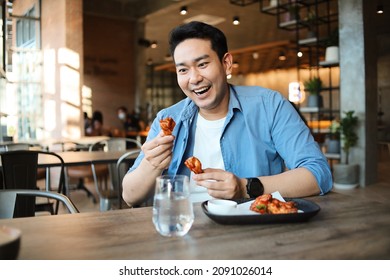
(199,30)
(98,116)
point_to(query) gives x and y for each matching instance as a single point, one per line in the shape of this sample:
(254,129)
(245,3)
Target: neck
(218,112)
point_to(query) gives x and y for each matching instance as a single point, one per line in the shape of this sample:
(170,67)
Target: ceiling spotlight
(379,9)
(299,54)
(255,55)
(168,57)
(153,44)
(282,56)
(183,10)
(236,20)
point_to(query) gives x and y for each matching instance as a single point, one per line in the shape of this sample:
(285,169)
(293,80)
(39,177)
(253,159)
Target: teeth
(201,90)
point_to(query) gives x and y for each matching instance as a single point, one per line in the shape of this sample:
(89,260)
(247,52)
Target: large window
(21,88)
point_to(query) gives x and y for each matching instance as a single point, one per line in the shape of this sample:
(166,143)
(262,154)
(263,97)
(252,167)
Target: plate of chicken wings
(257,211)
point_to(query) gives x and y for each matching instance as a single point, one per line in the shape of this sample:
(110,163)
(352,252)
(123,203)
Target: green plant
(334,130)
(349,136)
(293,11)
(313,85)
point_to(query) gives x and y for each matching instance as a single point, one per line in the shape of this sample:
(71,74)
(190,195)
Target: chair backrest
(114,144)
(122,168)
(8,199)
(14,147)
(20,172)
(68,146)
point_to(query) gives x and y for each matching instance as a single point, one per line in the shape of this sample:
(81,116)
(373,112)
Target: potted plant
(345,175)
(333,143)
(313,86)
(292,12)
(311,21)
(332,47)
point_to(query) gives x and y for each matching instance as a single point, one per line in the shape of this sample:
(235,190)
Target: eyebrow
(195,60)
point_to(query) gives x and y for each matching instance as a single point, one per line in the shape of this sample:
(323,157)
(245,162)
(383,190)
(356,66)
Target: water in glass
(172,209)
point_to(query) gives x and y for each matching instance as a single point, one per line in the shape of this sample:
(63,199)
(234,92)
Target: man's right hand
(158,151)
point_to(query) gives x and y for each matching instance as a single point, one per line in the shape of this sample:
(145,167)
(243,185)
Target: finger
(223,194)
(210,174)
(160,161)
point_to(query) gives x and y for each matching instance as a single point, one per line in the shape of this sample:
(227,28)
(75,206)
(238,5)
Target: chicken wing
(167,125)
(194,165)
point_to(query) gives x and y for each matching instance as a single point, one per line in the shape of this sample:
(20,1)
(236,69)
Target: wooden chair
(20,171)
(9,198)
(110,193)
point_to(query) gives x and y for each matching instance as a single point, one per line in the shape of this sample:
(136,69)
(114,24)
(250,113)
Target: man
(250,140)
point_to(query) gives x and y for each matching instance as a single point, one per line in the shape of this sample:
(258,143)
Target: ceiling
(255,43)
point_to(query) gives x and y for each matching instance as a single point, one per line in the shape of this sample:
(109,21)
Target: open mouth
(201,91)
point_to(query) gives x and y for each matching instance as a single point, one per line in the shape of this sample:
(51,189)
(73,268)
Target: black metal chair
(9,197)
(110,193)
(122,166)
(20,169)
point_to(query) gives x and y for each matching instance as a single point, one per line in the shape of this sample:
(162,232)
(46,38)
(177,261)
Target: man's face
(202,76)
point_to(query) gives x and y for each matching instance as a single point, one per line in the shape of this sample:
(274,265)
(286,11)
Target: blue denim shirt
(262,135)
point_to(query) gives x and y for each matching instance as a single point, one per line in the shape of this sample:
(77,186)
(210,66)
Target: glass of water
(173,214)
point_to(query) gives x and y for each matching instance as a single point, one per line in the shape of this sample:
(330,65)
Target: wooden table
(345,228)
(81,158)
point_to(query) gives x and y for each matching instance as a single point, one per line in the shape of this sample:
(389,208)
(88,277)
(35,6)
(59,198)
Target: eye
(182,70)
(203,64)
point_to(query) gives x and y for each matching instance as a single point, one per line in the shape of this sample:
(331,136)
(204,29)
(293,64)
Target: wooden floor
(379,191)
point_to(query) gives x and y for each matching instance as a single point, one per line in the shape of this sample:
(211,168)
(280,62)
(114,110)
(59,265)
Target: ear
(227,62)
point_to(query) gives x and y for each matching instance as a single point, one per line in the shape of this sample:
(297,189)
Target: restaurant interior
(62,58)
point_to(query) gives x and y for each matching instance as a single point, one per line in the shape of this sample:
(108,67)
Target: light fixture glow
(379,9)
(282,56)
(236,20)
(294,92)
(299,54)
(183,10)
(153,44)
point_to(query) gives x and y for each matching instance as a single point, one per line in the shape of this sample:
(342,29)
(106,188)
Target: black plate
(309,209)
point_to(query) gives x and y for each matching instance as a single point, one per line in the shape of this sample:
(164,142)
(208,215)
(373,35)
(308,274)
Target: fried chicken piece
(280,207)
(194,165)
(260,204)
(167,125)
(265,204)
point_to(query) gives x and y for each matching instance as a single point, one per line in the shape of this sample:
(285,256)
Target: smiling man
(250,140)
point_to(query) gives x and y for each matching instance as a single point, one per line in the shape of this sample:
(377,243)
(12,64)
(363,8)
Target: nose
(195,77)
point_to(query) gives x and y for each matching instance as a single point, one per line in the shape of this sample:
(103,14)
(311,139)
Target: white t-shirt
(208,150)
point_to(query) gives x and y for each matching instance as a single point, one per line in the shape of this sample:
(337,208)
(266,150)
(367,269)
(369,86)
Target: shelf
(332,156)
(309,109)
(308,41)
(289,25)
(313,18)
(329,63)
(270,10)
(316,110)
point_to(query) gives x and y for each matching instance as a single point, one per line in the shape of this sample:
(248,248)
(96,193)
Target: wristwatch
(254,187)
